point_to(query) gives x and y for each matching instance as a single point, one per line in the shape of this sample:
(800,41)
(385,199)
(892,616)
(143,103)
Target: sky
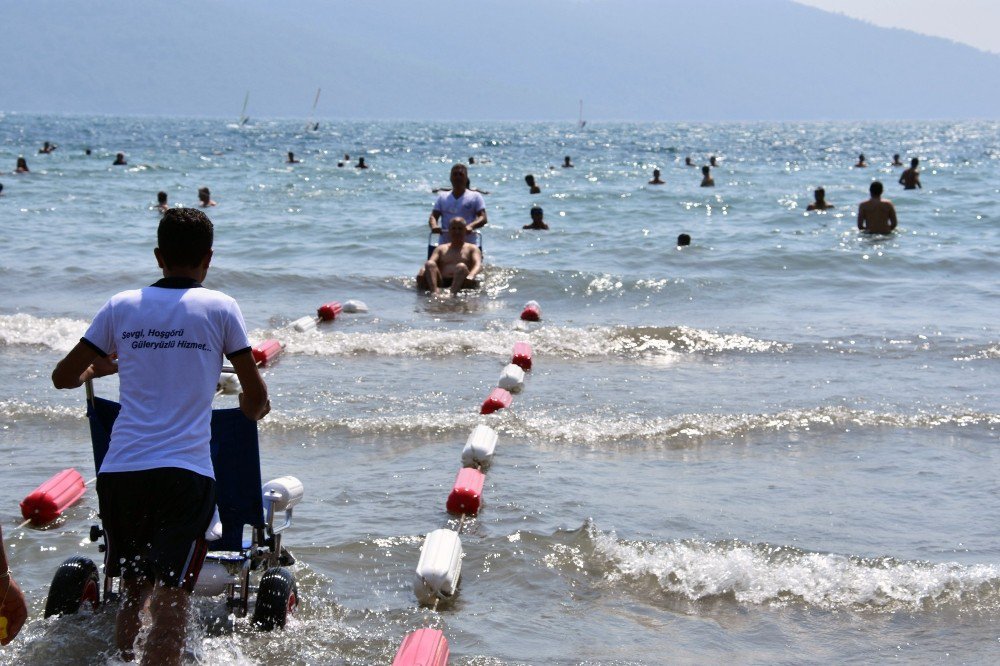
(972,22)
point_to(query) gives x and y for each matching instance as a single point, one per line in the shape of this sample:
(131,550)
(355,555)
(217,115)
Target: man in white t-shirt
(155,487)
(459,202)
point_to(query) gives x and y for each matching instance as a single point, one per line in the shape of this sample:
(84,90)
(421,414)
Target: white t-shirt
(170,341)
(466,207)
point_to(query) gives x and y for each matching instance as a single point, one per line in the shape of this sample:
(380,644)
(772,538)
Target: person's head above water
(529,179)
(914,162)
(161,198)
(683,240)
(705,169)
(819,194)
(536,212)
(875,189)
(184,238)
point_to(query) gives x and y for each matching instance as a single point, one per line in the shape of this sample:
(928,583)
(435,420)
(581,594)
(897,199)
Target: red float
(49,500)
(497,399)
(423,647)
(329,311)
(522,355)
(467,493)
(531,312)
(266,352)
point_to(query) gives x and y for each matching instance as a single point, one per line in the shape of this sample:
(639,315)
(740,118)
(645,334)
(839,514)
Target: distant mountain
(485,59)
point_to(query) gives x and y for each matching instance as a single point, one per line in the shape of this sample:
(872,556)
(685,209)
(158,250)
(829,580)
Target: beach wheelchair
(245,555)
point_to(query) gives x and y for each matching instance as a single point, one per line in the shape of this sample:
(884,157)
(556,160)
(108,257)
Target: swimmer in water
(706,177)
(683,240)
(877,215)
(711,162)
(46,148)
(689,162)
(361,164)
(205,198)
(119,160)
(291,158)
(22,166)
(895,160)
(910,179)
(566,163)
(861,162)
(537,219)
(656,178)
(820,203)
(532,186)
(161,202)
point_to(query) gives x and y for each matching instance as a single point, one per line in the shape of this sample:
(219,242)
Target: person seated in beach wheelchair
(245,553)
(453,265)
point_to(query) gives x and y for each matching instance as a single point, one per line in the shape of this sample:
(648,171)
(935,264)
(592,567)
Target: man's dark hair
(914,162)
(161,197)
(683,239)
(705,169)
(184,237)
(875,188)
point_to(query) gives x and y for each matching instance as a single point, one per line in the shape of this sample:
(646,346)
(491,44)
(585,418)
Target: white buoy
(480,446)
(303,324)
(512,378)
(284,492)
(355,306)
(229,384)
(440,566)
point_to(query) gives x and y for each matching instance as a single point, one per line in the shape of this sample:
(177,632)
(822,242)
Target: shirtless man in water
(877,215)
(910,179)
(451,264)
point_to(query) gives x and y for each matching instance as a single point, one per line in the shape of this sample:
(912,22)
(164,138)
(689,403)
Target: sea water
(778,444)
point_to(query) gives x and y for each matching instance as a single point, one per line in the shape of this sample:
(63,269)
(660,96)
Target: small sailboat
(581,121)
(311,126)
(244,118)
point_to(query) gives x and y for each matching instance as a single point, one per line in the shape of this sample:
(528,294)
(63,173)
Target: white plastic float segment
(229,384)
(522,355)
(512,378)
(532,311)
(303,324)
(355,306)
(423,647)
(284,492)
(439,567)
(480,446)
(265,352)
(467,494)
(497,399)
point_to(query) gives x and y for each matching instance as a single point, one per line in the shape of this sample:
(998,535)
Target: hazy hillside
(489,59)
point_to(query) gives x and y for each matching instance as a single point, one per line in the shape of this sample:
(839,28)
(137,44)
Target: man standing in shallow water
(877,215)
(910,179)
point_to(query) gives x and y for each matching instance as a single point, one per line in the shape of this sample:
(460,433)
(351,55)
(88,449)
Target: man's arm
(862,221)
(433,221)
(892,215)
(902,178)
(253,399)
(475,265)
(82,363)
(479,221)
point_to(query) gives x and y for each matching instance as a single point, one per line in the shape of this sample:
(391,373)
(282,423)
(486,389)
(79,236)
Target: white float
(512,378)
(355,306)
(229,384)
(307,323)
(480,446)
(440,566)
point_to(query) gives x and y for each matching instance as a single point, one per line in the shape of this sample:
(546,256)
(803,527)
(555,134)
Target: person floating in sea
(683,240)
(161,202)
(291,158)
(861,162)
(712,162)
(689,162)
(877,215)
(13,609)
(119,160)
(910,179)
(472,160)
(1,189)
(532,186)
(87,151)
(459,202)
(22,166)
(452,263)
(656,178)
(156,484)
(820,202)
(895,160)
(706,177)
(567,164)
(205,198)
(361,164)
(47,148)
(537,219)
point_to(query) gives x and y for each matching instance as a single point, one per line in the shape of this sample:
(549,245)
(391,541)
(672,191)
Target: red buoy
(497,399)
(522,355)
(329,311)
(531,312)
(423,647)
(266,352)
(466,495)
(49,500)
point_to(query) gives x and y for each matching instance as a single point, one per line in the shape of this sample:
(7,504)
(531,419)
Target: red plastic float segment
(522,355)
(49,500)
(497,399)
(266,351)
(467,493)
(329,311)
(531,312)
(423,647)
